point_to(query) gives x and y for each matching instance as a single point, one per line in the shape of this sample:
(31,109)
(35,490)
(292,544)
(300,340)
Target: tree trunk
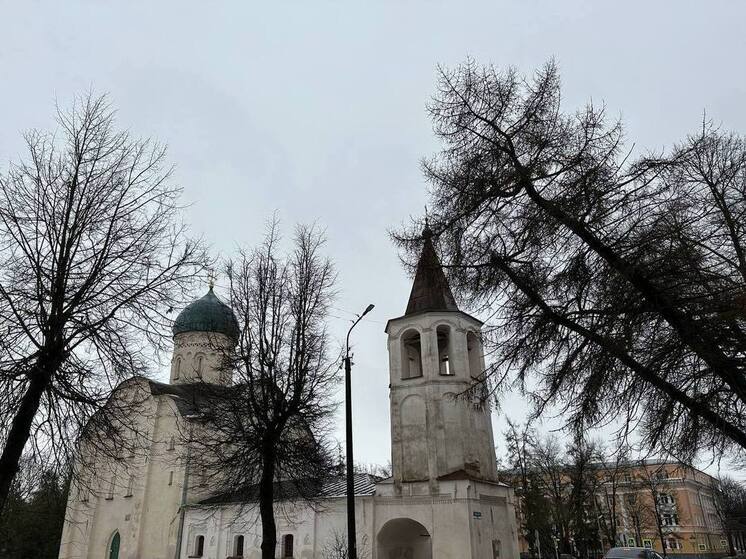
(20,430)
(266,504)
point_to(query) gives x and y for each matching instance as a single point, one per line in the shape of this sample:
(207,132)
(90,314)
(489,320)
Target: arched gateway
(404,538)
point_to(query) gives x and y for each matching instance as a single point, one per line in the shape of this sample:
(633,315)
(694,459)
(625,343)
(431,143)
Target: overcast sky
(316,110)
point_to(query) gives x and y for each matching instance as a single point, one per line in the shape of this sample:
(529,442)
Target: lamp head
(368,309)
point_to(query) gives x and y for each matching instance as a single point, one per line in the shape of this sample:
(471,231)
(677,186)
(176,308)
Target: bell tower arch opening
(411,344)
(445,350)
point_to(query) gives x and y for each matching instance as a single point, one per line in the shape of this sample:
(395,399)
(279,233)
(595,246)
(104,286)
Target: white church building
(443,500)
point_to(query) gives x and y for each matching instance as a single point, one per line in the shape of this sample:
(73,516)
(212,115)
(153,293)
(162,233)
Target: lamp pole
(351,533)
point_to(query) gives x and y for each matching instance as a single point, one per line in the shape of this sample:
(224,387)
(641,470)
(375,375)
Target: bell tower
(435,355)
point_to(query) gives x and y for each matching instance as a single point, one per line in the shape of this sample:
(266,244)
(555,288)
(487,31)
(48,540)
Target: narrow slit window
(287,547)
(238,547)
(199,546)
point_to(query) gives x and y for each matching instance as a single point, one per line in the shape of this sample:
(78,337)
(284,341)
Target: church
(442,501)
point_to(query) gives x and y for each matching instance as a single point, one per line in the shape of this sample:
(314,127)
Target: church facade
(443,500)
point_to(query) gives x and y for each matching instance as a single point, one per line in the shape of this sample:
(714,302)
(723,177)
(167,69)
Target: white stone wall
(139,496)
(312,528)
(197,357)
(434,433)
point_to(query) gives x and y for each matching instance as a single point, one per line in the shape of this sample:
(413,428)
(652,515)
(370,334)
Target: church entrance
(404,538)
(114,547)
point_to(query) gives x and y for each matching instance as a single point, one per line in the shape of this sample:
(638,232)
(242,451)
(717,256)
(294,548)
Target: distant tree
(31,523)
(534,513)
(335,546)
(651,482)
(551,462)
(617,283)
(730,505)
(92,256)
(268,430)
(612,468)
(582,473)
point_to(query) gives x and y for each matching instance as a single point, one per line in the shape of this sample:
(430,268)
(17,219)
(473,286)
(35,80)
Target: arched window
(172,443)
(130,486)
(411,355)
(198,365)
(474,349)
(114,546)
(177,368)
(444,350)
(238,546)
(287,546)
(199,546)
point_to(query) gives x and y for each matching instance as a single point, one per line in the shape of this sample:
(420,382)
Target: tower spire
(430,289)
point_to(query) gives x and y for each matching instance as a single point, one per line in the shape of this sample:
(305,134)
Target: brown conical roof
(430,290)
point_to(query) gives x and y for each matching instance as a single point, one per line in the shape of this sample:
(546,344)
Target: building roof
(190,398)
(331,488)
(430,289)
(207,314)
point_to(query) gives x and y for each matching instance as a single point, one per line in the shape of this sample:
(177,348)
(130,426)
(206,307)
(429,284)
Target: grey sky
(316,109)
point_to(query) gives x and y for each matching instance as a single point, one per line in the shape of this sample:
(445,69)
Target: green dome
(207,314)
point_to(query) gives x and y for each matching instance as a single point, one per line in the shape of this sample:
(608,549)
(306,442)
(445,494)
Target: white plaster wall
(147,520)
(189,347)
(312,528)
(432,434)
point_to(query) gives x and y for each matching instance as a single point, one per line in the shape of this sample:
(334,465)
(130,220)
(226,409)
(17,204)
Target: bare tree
(550,461)
(616,283)
(268,432)
(730,505)
(92,256)
(612,467)
(336,546)
(659,503)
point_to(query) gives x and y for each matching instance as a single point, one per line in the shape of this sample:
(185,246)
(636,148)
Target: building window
(672,543)
(411,355)
(287,546)
(444,350)
(200,359)
(703,547)
(238,546)
(110,492)
(171,477)
(172,443)
(130,485)
(723,543)
(647,543)
(199,546)
(669,519)
(177,368)
(631,542)
(628,478)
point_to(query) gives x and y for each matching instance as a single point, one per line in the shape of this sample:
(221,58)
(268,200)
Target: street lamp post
(351,533)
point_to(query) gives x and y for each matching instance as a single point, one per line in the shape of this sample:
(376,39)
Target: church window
(411,354)
(200,360)
(199,546)
(177,368)
(171,477)
(473,348)
(238,546)
(172,443)
(287,546)
(444,350)
(130,485)
(202,477)
(110,492)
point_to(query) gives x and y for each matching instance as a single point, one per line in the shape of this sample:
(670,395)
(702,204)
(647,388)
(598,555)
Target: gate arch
(404,538)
